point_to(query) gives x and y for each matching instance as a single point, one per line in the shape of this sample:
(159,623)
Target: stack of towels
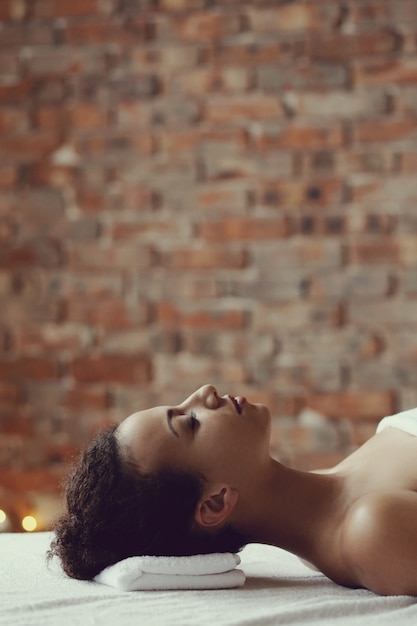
(201,571)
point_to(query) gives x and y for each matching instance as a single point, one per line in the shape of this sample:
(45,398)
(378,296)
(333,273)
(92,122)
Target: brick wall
(201,191)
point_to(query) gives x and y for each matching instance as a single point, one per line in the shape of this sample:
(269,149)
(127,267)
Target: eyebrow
(170,415)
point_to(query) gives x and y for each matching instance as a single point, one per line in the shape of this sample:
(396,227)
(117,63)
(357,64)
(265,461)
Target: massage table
(279,589)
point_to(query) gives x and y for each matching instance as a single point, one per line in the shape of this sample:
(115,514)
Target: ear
(216,508)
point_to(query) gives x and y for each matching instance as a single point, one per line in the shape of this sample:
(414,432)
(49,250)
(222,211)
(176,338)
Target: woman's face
(224,438)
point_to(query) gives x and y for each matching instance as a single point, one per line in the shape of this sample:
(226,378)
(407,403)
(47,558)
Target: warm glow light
(29,523)
(3,516)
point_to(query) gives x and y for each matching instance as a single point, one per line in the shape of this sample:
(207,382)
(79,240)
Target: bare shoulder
(379,542)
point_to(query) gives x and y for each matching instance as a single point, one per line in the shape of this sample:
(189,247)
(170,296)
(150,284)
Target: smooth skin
(355,522)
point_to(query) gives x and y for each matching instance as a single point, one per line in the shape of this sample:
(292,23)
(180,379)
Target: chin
(264,414)
(263,408)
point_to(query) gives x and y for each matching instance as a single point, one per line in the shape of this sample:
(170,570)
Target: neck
(290,509)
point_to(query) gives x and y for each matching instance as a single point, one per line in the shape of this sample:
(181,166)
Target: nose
(206,396)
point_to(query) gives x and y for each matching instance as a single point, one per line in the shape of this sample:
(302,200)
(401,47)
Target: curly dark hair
(114,510)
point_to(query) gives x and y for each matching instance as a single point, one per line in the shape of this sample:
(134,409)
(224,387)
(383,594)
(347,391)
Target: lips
(238,402)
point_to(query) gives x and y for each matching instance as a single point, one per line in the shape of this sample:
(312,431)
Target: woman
(199,478)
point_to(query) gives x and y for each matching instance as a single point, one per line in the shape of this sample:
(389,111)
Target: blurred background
(198,191)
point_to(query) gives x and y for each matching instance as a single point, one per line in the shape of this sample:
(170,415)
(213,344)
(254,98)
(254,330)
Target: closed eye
(193,422)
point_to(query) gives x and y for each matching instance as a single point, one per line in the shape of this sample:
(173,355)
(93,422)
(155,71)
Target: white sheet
(279,590)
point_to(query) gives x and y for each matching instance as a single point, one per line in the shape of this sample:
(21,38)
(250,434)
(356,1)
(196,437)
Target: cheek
(158,452)
(230,444)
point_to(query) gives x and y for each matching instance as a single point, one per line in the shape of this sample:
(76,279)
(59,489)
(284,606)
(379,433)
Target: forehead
(136,422)
(145,433)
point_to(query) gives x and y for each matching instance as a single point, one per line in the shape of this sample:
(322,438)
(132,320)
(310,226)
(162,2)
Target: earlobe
(216,508)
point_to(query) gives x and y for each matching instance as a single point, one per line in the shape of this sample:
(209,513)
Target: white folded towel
(200,571)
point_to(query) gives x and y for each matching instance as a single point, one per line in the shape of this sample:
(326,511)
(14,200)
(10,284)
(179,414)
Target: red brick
(219,138)
(11,393)
(22,426)
(138,230)
(222,110)
(16,91)
(370,14)
(84,116)
(49,118)
(42,253)
(63,8)
(84,397)
(174,55)
(107,313)
(205,259)
(28,147)
(358,405)
(401,71)
(244,228)
(46,173)
(302,137)
(341,47)
(385,130)
(21,35)
(12,120)
(180,141)
(181,5)
(36,368)
(209,79)
(8,176)
(169,316)
(360,188)
(112,368)
(382,250)
(8,229)
(132,87)
(92,200)
(106,30)
(289,18)
(206,26)
(139,198)
(221,197)
(11,10)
